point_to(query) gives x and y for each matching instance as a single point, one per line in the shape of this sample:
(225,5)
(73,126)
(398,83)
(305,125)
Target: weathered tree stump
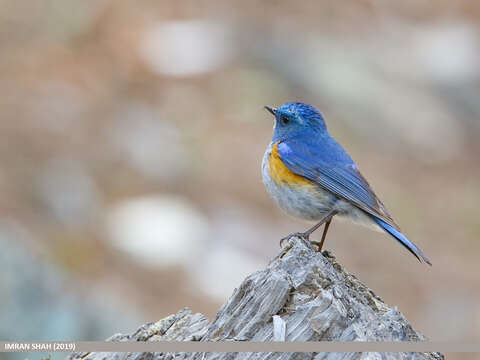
(302,295)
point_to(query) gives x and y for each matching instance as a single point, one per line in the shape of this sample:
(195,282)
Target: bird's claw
(317,244)
(305,237)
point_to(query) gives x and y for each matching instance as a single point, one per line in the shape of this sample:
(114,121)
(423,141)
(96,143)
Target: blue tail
(402,239)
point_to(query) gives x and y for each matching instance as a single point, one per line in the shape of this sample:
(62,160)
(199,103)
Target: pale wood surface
(312,298)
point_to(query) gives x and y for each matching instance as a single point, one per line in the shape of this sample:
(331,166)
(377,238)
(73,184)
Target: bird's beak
(272,110)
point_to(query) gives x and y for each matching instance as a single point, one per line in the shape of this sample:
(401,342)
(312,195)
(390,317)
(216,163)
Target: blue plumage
(402,239)
(307,149)
(324,162)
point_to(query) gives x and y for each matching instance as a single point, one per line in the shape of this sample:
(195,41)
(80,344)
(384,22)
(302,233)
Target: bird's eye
(285,120)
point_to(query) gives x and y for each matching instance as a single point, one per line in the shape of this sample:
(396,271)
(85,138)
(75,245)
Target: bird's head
(296,119)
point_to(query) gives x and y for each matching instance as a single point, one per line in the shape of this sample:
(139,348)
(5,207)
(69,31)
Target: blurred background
(132,134)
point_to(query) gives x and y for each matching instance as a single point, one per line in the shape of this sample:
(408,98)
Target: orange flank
(280,174)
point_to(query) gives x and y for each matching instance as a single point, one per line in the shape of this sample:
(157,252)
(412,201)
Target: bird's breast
(293,193)
(280,174)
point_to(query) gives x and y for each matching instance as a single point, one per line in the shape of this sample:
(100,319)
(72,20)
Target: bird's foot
(305,237)
(318,245)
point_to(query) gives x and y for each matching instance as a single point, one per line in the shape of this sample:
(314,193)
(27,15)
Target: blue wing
(324,162)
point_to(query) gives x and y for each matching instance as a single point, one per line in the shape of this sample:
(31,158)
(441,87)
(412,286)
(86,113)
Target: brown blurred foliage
(127,122)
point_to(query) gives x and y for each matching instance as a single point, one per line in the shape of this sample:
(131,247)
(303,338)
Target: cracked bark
(301,295)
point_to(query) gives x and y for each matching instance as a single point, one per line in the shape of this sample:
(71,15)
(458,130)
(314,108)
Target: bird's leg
(325,230)
(326,219)
(306,235)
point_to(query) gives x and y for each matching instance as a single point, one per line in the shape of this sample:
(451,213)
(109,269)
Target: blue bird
(309,174)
